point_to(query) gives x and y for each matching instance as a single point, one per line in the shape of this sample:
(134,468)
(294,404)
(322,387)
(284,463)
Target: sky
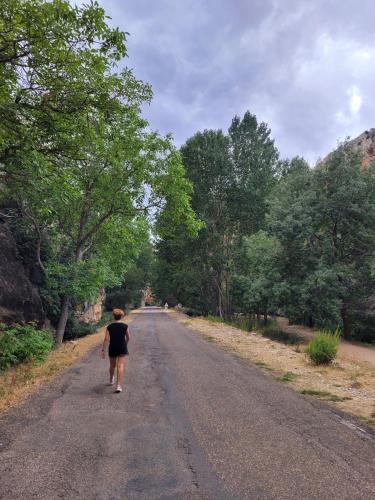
(305,67)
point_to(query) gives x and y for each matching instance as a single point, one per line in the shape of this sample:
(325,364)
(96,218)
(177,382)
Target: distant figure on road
(166,305)
(117,333)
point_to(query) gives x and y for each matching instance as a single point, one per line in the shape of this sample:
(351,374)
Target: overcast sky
(306,67)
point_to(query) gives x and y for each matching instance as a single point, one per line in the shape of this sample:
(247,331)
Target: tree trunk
(220,305)
(258,314)
(65,304)
(265,316)
(62,321)
(345,322)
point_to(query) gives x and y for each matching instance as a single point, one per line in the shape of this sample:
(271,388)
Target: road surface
(193,422)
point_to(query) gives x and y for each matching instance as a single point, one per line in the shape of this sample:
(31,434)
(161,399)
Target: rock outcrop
(19,299)
(365,145)
(91,313)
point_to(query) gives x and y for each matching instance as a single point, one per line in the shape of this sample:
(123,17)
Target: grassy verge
(326,395)
(19,381)
(269,329)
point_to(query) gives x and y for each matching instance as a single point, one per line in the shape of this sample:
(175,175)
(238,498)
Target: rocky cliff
(19,299)
(365,145)
(91,313)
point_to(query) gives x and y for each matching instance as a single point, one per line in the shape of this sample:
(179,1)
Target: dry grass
(18,382)
(350,384)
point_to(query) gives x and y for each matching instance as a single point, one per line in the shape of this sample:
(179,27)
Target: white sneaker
(112,381)
(118,388)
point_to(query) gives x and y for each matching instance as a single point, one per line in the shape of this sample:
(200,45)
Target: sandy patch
(349,384)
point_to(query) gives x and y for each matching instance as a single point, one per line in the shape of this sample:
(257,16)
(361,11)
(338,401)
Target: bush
(22,343)
(363,327)
(267,329)
(191,312)
(76,329)
(274,332)
(323,348)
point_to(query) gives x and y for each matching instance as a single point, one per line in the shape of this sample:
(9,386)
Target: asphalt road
(193,422)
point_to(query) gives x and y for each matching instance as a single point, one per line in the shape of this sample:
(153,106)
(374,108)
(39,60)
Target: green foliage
(272,331)
(215,319)
(267,329)
(231,176)
(76,329)
(257,274)
(324,220)
(191,312)
(287,377)
(23,343)
(327,396)
(323,348)
(136,278)
(363,326)
(81,165)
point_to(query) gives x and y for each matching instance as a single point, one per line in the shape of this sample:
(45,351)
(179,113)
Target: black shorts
(115,352)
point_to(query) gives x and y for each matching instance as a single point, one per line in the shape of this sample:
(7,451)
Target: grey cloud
(306,68)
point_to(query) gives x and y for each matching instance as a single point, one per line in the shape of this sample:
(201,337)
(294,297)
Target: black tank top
(117,333)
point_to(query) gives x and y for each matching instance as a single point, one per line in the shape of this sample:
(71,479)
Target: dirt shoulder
(348,384)
(18,382)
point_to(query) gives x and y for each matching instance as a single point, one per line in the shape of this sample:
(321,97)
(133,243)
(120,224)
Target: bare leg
(112,366)
(120,368)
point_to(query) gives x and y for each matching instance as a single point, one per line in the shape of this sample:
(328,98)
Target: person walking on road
(117,334)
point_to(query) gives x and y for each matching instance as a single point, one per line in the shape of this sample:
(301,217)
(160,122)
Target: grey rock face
(19,299)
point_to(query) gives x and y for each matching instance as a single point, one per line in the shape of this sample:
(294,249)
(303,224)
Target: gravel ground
(350,382)
(194,422)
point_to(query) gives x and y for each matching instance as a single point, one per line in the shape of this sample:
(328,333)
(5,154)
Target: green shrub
(323,348)
(243,323)
(191,312)
(215,319)
(22,343)
(274,332)
(76,329)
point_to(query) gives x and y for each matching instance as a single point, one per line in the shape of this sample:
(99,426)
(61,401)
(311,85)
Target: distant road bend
(193,422)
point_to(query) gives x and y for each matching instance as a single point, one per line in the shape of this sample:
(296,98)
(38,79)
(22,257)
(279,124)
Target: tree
(345,228)
(257,275)
(75,151)
(255,169)
(55,63)
(232,175)
(136,278)
(324,220)
(290,220)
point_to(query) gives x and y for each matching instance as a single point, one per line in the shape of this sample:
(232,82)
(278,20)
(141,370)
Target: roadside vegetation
(17,381)
(239,235)
(345,382)
(23,343)
(269,328)
(280,237)
(80,169)
(20,379)
(322,350)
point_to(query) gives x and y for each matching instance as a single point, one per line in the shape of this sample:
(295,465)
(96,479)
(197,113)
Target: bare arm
(105,342)
(127,335)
